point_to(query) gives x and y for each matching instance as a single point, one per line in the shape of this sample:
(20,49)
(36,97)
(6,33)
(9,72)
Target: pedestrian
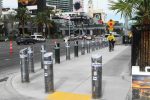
(111,39)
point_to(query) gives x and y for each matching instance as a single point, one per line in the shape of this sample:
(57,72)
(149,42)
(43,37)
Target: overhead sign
(97,18)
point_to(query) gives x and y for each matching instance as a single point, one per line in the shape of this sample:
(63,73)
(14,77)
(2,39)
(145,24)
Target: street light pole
(69,26)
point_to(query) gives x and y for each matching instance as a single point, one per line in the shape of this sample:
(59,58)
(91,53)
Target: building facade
(1,6)
(64,5)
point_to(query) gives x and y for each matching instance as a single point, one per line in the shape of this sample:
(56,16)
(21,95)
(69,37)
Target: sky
(98,4)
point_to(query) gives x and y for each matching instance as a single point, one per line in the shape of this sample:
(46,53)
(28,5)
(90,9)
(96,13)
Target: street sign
(111,24)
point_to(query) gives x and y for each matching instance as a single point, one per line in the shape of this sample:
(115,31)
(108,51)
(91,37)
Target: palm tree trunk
(23,32)
(144,53)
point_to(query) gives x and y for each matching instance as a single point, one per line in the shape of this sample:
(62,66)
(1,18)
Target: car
(90,37)
(38,38)
(82,37)
(25,40)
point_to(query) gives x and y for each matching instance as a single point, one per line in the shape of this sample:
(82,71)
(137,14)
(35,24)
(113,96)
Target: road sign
(111,24)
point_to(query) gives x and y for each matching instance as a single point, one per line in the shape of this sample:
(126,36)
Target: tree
(23,17)
(133,8)
(43,19)
(138,10)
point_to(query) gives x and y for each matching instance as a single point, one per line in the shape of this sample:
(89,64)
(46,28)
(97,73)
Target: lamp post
(69,26)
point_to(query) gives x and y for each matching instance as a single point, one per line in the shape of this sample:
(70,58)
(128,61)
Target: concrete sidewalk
(74,76)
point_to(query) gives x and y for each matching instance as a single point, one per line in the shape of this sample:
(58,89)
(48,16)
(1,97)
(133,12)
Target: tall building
(1,6)
(64,5)
(90,8)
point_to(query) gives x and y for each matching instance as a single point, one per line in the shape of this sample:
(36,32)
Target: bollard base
(50,92)
(99,99)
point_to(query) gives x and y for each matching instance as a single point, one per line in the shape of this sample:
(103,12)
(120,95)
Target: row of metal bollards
(27,65)
(94,45)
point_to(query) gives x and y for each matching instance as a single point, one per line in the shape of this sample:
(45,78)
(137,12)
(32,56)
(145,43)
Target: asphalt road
(9,63)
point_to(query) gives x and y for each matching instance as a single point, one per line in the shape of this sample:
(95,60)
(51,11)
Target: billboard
(77,5)
(97,18)
(22,3)
(140,83)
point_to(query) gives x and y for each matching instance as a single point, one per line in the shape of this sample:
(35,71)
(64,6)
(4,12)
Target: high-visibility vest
(111,38)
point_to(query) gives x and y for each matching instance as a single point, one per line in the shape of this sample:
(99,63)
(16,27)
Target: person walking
(111,39)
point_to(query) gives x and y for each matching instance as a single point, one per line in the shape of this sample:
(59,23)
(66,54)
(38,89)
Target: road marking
(68,96)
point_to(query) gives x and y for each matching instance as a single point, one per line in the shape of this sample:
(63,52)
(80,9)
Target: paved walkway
(72,79)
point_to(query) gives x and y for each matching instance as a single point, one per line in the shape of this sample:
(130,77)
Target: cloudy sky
(101,4)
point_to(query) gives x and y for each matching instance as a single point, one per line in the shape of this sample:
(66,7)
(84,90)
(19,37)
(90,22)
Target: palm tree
(138,10)
(43,19)
(22,16)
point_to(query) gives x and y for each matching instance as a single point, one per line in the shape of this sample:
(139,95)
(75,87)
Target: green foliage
(22,16)
(138,10)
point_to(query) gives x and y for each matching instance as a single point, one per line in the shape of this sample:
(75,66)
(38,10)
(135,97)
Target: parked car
(38,38)
(25,40)
(82,37)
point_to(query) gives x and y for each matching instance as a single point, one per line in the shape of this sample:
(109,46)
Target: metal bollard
(76,49)
(96,76)
(43,51)
(88,46)
(30,59)
(24,65)
(57,53)
(48,72)
(97,44)
(93,46)
(82,48)
(67,51)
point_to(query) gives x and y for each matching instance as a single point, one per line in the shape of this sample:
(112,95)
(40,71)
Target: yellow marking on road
(68,96)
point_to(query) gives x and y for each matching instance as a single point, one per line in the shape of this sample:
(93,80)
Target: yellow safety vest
(111,38)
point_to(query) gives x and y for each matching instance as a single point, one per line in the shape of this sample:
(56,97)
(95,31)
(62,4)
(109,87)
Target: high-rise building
(90,8)
(64,5)
(1,4)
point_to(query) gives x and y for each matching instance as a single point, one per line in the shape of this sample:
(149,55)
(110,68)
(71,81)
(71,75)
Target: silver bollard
(93,45)
(31,60)
(67,51)
(24,65)
(76,49)
(82,48)
(48,72)
(97,44)
(43,51)
(88,46)
(96,61)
